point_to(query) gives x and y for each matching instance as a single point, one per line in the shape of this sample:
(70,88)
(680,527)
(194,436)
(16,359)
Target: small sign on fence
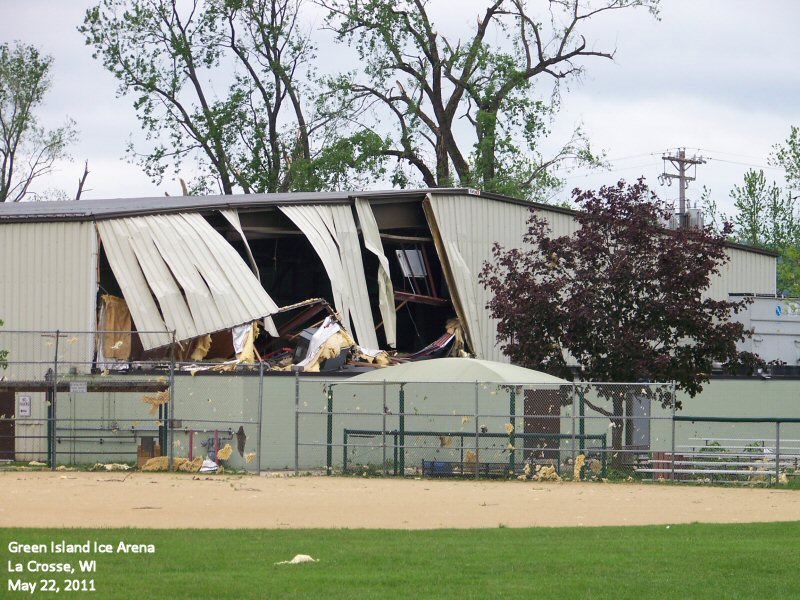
(24,409)
(77,387)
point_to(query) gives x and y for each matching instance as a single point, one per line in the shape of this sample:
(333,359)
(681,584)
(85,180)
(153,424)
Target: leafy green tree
(223,85)
(768,217)
(787,155)
(470,111)
(28,151)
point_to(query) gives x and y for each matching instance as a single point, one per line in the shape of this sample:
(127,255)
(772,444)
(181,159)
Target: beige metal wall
(746,273)
(48,281)
(469,225)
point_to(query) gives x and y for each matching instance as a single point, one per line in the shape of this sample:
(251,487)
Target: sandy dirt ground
(117,499)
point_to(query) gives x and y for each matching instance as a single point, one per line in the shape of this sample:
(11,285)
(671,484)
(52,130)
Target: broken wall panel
(201,283)
(464,230)
(153,332)
(332,231)
(372,242)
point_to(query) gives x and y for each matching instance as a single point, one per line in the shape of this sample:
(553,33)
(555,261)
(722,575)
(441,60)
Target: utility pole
(682,165)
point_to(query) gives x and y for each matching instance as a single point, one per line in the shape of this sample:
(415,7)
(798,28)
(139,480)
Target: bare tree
(27,150)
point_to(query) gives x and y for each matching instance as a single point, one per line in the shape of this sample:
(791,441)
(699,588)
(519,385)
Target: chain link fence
(62,405)
(602,431)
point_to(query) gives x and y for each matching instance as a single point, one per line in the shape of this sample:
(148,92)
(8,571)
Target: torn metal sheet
(332,231)
(464,230)
(199,282)
(232,217)
(372,242)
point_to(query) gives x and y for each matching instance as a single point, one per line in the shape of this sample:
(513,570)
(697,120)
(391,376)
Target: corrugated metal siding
(745,273)
(48,281)
(333,235)
(200,282)
(469,226)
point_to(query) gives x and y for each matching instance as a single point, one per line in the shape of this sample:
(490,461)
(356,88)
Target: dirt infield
(76,499)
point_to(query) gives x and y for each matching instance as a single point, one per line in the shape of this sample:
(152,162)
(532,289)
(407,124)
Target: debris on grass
(298,559)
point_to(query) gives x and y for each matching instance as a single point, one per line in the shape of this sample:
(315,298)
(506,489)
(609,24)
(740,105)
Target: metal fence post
(581,421)
(777,451)
(53,436)
(402,408)
(512,411)
(260,413)
(383,429)
(477,433)
(296,422)
(574,453)
(329,438)
(170,416)
(672,455)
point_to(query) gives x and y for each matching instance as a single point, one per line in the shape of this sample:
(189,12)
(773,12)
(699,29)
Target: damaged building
(399,268)
(334,281)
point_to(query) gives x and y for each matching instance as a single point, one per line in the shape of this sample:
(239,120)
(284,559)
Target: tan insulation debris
(225,452)
(327,342)
(161,463)
(202,346)
(156,400)
(110,467)
(115,316)
(244,338)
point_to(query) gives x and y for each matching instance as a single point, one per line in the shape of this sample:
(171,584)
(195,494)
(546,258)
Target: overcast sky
(719,77)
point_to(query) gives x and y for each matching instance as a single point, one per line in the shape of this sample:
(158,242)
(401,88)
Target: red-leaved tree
(622,296)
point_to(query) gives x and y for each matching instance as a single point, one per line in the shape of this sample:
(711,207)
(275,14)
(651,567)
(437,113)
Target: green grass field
(682,561)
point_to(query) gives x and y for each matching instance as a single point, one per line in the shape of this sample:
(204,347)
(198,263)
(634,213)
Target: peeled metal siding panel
(372,242)
(131,279)
(182,253)
(353,266)
(308,220)
(469,226)
(238,295)
(201,305)
(176,313)
(333,234)
(232,216)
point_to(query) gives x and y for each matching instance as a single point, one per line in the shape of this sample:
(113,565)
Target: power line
(744,164)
